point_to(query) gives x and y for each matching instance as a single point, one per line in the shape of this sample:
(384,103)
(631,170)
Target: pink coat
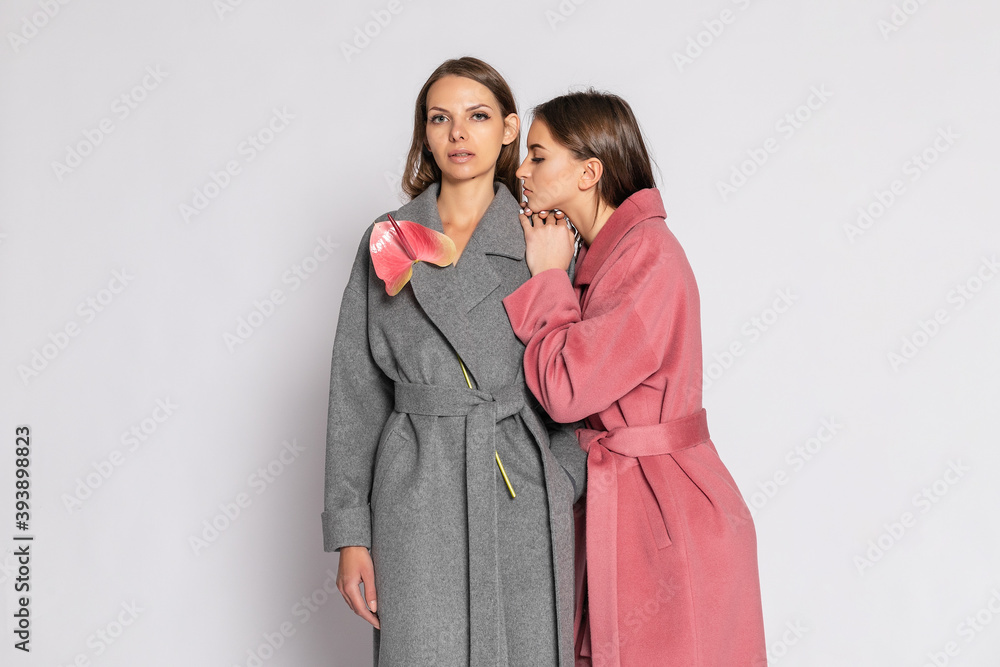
(666,549)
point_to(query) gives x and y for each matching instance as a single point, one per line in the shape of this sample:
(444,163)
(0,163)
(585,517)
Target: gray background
(852,298)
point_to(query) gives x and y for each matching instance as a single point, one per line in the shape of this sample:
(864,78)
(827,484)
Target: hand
(549,239)
(356,567)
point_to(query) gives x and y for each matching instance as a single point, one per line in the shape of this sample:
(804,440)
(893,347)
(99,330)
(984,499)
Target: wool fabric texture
(464,573)
(666,548)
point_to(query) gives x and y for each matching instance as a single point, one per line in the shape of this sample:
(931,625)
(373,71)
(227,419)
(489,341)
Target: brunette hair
(602,125)
(421,169)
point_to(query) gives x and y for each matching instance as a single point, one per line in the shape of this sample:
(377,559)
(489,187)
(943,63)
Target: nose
(523,171)
(458,131)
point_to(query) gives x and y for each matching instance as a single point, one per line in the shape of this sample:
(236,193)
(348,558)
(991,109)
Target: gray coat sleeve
(361,400)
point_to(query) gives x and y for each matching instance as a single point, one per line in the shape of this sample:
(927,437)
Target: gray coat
(465,574)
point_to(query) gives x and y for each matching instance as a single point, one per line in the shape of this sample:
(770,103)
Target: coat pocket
(393,441)
(558,481)
(568,484)
(653,503)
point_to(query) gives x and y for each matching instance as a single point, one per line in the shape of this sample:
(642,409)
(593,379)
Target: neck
(587,220)
(463,203)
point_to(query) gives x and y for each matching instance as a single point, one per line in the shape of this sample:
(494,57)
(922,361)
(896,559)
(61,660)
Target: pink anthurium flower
(397,245)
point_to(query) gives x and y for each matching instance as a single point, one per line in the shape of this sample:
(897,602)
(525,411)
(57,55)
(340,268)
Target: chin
(466,172)
(537,205)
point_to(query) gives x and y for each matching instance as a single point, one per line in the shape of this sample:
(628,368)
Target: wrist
(541,268)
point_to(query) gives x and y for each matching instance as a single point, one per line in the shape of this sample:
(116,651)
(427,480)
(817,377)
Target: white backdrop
(182,188)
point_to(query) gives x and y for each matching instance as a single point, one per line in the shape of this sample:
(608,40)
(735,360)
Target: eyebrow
(536,146)
(472,108)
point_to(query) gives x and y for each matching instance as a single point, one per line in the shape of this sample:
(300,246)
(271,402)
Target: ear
(593,170)
(511,128)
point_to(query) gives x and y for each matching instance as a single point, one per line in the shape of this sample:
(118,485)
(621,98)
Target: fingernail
(372,606)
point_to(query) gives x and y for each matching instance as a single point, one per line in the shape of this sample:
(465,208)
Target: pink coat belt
(604,448)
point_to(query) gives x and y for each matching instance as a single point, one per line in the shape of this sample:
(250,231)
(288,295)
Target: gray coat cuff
(351,527)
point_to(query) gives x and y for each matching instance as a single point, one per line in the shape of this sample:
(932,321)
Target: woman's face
(550,172)
(465,130)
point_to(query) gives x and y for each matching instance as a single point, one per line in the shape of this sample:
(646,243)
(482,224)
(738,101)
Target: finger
(559,214)
(343,586)
(525,222)
(358,605)
(368,579)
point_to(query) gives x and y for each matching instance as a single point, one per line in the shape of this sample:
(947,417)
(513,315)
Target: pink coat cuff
(542,294)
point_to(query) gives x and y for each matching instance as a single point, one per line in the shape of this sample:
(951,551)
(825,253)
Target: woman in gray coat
(429,410)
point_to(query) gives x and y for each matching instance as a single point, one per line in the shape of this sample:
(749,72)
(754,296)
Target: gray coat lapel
(448,294)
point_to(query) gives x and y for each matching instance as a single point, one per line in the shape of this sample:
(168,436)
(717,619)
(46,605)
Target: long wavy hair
(421,169)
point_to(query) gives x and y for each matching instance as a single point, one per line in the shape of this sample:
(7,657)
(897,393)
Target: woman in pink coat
(670,574)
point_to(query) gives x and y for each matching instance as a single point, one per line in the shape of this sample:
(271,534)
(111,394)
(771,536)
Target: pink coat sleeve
(579,366)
